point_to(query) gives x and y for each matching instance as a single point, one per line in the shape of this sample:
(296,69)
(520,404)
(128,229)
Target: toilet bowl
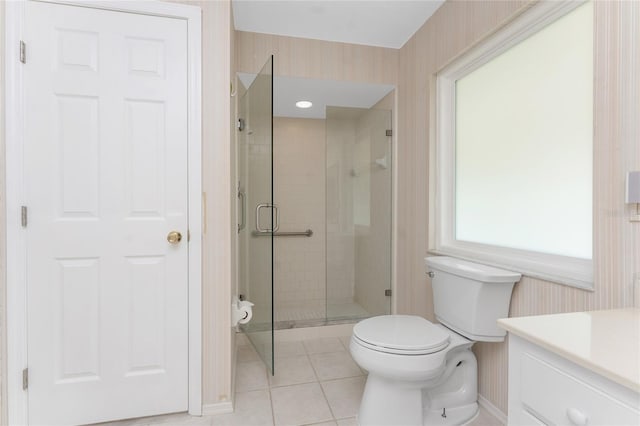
(421,373)
(399,371)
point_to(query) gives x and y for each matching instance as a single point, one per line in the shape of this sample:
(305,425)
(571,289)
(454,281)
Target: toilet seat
(400,334)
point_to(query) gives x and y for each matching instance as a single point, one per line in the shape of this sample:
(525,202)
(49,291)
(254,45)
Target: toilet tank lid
(474,271)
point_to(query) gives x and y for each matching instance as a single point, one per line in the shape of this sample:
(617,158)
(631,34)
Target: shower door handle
(243,209)
(276,218)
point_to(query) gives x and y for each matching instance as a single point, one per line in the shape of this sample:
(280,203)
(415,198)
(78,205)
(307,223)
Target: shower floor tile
(300,311)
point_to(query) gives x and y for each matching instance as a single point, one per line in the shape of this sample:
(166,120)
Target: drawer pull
(577,417)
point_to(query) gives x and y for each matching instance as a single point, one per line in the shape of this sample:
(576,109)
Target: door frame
(16,296)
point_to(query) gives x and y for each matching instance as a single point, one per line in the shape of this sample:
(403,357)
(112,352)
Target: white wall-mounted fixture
(241,312)
(633,194)
(382,162)
(304,104)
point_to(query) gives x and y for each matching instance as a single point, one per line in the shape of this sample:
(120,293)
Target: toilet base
(452,416)
(389,402)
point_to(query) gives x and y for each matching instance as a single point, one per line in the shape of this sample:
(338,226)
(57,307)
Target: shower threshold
(285,325)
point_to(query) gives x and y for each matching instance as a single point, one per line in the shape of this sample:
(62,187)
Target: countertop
(606,342)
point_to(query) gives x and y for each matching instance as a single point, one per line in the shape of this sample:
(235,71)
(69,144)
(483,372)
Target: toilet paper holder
(241,311)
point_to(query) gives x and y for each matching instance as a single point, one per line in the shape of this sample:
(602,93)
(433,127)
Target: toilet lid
(406,334)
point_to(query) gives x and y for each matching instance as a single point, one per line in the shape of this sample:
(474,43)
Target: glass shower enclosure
(258,216)
(358,212)
(314,203)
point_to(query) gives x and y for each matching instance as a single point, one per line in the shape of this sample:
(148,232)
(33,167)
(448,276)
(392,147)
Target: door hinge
(25,379)
(240,124)
(387,292)
(23,52)
(23,216)
(389,132)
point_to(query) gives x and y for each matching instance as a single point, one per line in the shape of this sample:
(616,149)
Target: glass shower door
(258,215)
(358,208)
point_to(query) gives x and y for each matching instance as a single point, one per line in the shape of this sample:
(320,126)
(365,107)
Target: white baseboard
(225,407)
(492,409)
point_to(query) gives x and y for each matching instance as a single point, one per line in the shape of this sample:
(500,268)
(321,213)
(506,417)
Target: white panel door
(106,181)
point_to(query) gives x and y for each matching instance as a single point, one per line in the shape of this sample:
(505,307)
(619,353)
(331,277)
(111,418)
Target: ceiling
(288,90)
(384,23)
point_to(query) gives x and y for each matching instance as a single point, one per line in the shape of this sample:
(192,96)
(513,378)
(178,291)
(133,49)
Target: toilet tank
(469,298)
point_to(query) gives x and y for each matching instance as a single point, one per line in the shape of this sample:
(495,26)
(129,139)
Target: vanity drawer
(559,398)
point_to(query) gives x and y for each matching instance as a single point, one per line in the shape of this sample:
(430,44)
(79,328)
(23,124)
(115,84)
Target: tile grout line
(333,416)
(273,411)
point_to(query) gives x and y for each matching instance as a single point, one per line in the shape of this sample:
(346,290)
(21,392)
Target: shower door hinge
(389,132)
(25,379)
(240,124)
(23,52)
(23,216)
(387,292)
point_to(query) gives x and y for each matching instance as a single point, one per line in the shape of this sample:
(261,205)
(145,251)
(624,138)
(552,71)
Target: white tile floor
(316,383)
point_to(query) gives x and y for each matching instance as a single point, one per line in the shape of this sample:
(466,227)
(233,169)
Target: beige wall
(218,251)
(217,336)
(298,57)
(3,257)
(455,27)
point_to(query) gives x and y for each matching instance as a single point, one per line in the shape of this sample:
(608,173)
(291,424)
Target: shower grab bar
(307,233)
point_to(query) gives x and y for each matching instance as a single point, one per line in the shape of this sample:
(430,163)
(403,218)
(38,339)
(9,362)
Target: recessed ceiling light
(304,104)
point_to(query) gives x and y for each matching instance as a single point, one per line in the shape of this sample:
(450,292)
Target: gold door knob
(174,237)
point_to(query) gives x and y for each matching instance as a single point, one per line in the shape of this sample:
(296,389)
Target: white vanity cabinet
(546,389)
(579,368)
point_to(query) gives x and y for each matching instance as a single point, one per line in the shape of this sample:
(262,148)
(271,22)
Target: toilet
(421,373)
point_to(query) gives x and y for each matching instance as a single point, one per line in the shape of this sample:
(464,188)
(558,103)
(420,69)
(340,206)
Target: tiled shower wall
(299,193)
(341,133)
(315,160)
